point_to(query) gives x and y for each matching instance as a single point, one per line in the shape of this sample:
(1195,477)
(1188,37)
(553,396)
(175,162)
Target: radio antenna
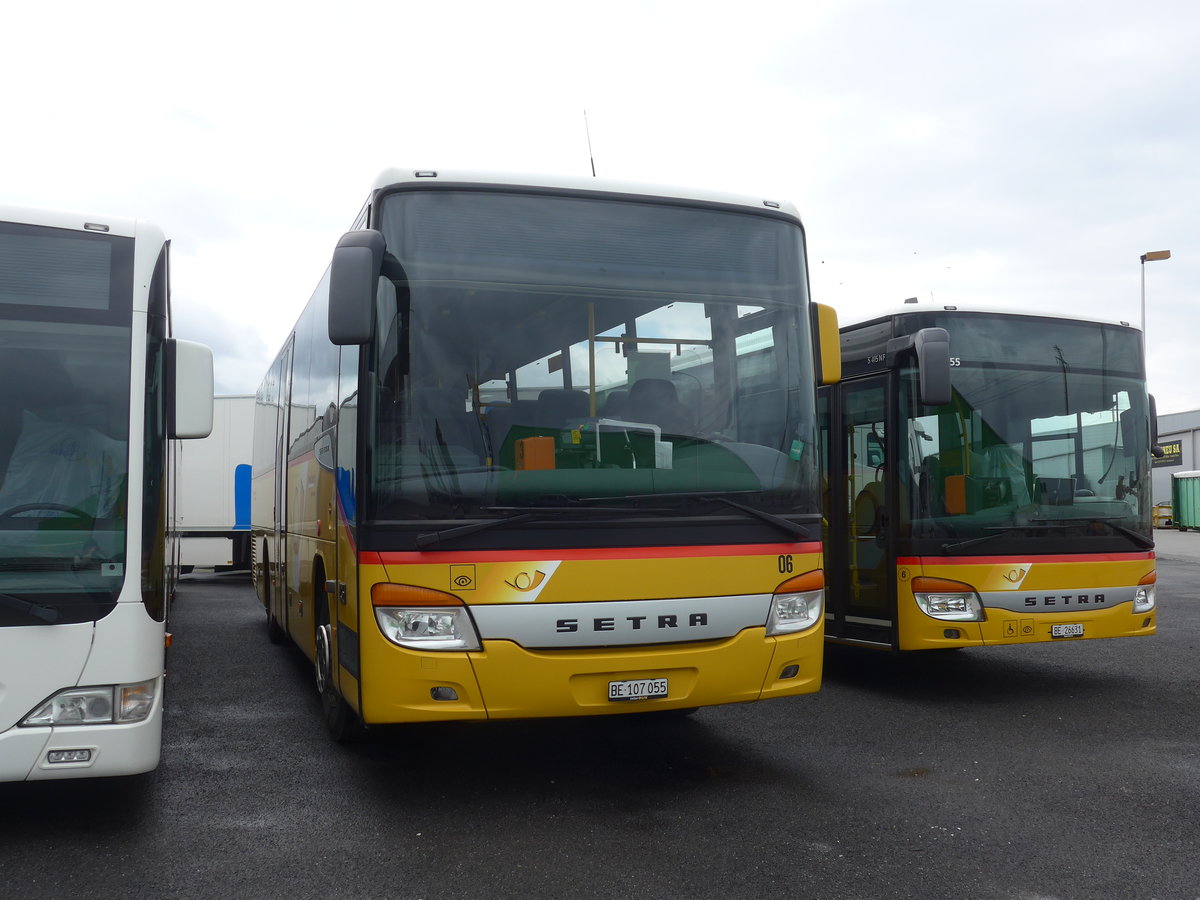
(588,130)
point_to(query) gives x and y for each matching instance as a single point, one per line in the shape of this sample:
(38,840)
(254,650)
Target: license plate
(637,689)
(1066,631)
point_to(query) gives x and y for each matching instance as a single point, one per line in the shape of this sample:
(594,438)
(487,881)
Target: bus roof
(396,176)
(76,221)
(903,309)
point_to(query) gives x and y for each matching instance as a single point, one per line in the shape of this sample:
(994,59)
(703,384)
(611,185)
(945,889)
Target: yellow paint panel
(1002,626)
(521,683)
(505,680)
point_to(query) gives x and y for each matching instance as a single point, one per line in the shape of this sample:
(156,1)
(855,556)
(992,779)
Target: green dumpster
(1185,499)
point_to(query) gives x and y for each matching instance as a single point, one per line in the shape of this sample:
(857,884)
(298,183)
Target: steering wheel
(57,507)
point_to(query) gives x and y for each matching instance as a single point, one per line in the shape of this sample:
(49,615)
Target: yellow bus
(989,481)
(547,447)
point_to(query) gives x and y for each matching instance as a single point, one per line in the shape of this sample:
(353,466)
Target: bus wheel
(274,633)
(340,719)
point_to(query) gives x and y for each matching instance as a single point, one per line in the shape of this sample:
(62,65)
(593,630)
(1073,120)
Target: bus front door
(863,604)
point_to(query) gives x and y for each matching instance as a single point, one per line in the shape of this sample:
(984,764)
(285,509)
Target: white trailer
(213,490)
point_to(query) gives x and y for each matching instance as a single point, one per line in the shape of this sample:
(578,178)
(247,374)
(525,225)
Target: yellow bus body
(1025,597)
(506,680)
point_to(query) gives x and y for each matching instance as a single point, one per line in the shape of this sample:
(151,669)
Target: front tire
(343,723)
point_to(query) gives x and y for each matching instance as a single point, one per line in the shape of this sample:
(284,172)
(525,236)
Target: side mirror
(1155,450)
(932,349)
(933,360)
(353,275)
(828,344)
(189,381)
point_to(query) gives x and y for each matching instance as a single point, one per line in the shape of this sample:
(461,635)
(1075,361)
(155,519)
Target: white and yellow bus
(92,389)
(546,447)
(989,481)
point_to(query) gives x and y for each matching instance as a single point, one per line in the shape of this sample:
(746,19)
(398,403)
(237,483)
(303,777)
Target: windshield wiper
(583,505)
(786,525)
(790,528)
(33,610)
(1139,539)
(429,538)
(523,514)
(971,542)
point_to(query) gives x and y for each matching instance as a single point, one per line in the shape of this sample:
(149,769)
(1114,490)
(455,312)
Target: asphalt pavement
(1171,543)
(1064,771)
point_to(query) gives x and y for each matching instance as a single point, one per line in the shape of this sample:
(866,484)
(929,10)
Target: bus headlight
(797,603)
(948,600)
(103,705)
(423,619)
(1143,600)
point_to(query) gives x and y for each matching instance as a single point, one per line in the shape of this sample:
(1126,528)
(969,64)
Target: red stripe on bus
(1018,557)
(369,557)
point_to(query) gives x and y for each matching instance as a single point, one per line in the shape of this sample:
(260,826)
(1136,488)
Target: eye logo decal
(462,578)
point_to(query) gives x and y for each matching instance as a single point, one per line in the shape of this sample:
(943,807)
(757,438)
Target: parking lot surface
(1069,770)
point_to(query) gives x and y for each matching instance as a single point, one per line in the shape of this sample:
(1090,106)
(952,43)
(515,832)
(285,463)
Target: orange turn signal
(923,584)
(387,594)
(809,581)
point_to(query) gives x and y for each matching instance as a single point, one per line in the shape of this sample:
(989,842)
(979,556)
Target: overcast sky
(1016,153)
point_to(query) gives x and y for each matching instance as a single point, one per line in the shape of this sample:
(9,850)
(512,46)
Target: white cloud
(1022,152)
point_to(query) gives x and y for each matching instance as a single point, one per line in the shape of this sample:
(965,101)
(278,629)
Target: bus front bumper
(506,681)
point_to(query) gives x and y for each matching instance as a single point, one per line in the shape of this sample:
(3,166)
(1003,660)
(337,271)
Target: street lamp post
(1152,256)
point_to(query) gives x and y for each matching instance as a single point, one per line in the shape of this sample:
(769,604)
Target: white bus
(92,390)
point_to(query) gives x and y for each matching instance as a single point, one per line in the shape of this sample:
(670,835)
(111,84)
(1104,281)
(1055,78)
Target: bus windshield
(537,349)
(1046,436)
(64,430)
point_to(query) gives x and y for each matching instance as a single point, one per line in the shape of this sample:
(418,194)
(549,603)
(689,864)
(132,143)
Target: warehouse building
(1179,436)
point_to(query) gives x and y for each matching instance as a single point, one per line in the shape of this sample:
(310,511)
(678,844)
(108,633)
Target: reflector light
(69,756)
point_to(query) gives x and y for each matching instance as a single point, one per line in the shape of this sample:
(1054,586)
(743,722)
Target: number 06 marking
(785,564)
